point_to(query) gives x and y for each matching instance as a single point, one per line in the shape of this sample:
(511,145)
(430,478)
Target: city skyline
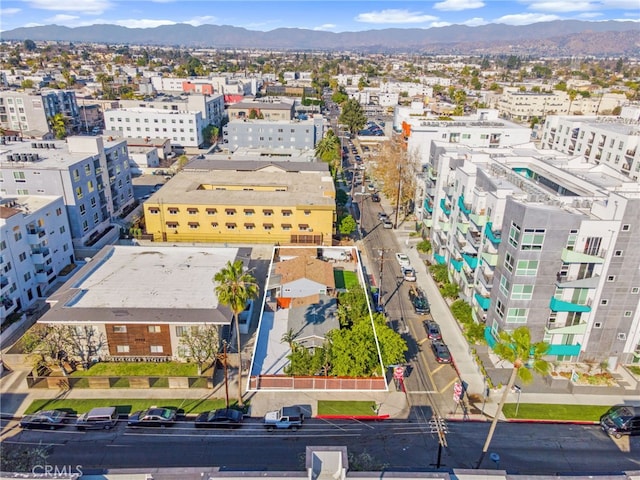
(327,15)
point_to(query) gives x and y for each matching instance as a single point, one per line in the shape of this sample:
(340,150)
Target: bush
(424,246)
(439,273)
(449,290)
(474,333)
(461,311)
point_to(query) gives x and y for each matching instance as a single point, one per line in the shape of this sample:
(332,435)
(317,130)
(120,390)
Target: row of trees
(351,350)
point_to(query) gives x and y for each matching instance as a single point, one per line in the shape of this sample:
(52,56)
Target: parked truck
(286,417)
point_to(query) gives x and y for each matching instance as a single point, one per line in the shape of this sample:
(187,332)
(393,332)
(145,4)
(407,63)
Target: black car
(419,301)
(375,197)
(226,417)
(152,417)
(433,330)
(441,351)
(47,419)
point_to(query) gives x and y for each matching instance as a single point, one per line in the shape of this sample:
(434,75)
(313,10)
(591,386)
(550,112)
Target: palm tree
(516,347)
(58,124)
(289,338)
(235,288)
(328,150)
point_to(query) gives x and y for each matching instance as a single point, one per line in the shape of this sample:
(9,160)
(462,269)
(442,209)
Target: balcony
(494,237)
(34,235)
(440,260)
(467,278)
(456,264)
(490,259)
(427,205)
(565,350)
(571,256)
(484,302)
(561,306)
(4,282)
(462,228)
(463,206)
(486,279)
(427,222)
(631,153)
(471,260)
(478,219)
(445,207)
(43,275)
(39,255)
(474,237)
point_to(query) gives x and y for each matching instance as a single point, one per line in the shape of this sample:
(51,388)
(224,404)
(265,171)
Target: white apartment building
(541,239)
(523,106)
(611,141)
(91,174)
(210,106)
(35,245)
(142,158)
(184,128)
(412,89)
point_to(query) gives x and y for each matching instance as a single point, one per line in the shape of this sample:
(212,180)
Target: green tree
(328,150)
(58,125)
(29,45)
(289,337)
(201,344)
(27,83)
(234,288)
(339,96)
(449,290)
(526,358)
(347,225)
(353,116)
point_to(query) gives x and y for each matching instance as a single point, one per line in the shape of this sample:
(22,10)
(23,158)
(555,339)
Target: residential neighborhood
(343,263)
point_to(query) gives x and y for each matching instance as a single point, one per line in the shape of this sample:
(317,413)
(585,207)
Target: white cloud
(394,16)
(142,23)
(61,19)
(561,5)
(457,5)
(9,11)
(205,20)
(475,22)
(93,7)
(621,4)
(439,24)
(590,15)
(326,26)
(526,18)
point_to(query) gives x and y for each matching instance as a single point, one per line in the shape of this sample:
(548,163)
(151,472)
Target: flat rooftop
(140,284)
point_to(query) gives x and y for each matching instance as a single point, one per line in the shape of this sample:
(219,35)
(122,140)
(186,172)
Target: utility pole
(398,196)
(438,426)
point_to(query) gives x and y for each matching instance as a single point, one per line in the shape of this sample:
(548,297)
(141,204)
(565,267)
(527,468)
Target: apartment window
(231,226)
(527,267)
(611,278)
(514,235)
(286,213)
(214,224)
(79,192)
(119,329)
(211,211)
(267,213)
(597,325)
(154,211)
(532,239)
(267,226)
(58,212)
(96,219)
(604,301)
(286,226)
(521,292)
(173,211)
(509,262)
(249,226)
(172,225)
(249,211)
(156,348)
(504,286)
(617,253)
(635,290)
(627,313)
(76,174)
(307,212)
(230,211)
(62,229)
(194,225)
(22,257)
(625,228)
(192,211)
(27,276)
(500,309)
(3,245)
(17,236)
(19,176)
(517,315)
(303,227)
(93,202)
(154,328)
(572,239)
(122,348)
(181,331)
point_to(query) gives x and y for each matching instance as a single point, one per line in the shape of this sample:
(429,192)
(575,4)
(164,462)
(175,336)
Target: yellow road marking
(423,340)
(449,385)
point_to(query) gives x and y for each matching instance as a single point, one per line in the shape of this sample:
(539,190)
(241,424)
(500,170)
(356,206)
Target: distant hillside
(576,38)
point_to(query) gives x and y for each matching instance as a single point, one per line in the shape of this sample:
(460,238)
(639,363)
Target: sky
(327,15)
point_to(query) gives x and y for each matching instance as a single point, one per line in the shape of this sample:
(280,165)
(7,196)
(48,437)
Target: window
(76,175)
(87,169)
(527,267)
(571,239)
(286,226)
(154,328)
(514,235)
(173,211)
(83,209)
(27,276)
(156,348)
(79,192)
(230,211)
(508,262)
(194,225)
(17,236)
(611,278)
(635,290)
(625,228)
(154,211)
(214,224)
(622,336)
(122,348)
(500,309)
(627,313)
(249,211)
(181,331)
(267,213)
(504,286)
(19,176)
(532,239)
(517,315)
(307,212)
(119,329)
(249,226)
(230,226)
(211,211)
(172,224)
(22,257)
(267,226)
(58,212)
(618,253)
(604,301)
(522,292)
(286,213)
(597,325)
(85,225)
(192,211)
(62,229)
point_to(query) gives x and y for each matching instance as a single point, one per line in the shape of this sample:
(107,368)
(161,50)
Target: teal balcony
(463,208)
(494,237)
(570,350)
(439,259)
(560,306)
(470,260)
(443,206)
(478,219)
(427,205)
(484,302)
(488,336)
(456,264)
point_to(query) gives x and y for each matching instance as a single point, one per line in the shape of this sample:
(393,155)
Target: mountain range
(556,38)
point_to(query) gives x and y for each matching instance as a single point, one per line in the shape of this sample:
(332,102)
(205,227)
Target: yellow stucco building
(219,201)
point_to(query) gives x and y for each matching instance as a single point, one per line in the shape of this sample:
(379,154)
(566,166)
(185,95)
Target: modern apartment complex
(211,106)
(29,113)
(90,173)
(541,239)
(611,141)
(35,246)
(245,202)
(267,109)
(273,134)
(141,300)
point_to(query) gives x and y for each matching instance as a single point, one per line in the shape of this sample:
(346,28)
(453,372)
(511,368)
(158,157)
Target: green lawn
(543,411)
(125,405)
(345,279)
(130,369)
(336,407)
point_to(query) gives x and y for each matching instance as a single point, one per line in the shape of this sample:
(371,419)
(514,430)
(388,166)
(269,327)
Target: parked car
(223,418)
(375,197)
(441,351)
(47,419)
(387,224)
(152,417)
(382,216)
(403,259)
(286,417)
(98,418)
(409,274)
(371,187)
(621,420)
(433,330)
(419,301)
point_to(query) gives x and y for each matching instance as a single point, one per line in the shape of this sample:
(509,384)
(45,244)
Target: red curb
(354,417)
(533,420)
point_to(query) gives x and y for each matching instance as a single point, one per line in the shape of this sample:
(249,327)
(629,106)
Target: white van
(98,418)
